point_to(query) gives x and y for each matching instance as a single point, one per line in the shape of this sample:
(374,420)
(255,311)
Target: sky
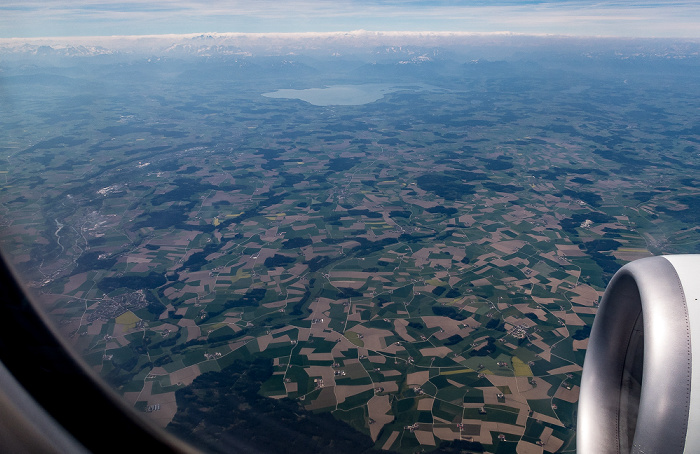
(60,18)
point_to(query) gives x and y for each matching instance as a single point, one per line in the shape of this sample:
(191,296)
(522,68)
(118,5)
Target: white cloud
(612,18)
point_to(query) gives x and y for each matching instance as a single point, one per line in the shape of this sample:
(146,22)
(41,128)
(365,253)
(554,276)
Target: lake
(341,95)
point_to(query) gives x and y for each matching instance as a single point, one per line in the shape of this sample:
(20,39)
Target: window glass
(342,240)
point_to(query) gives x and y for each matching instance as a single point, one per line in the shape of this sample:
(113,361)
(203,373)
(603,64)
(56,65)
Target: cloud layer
(33,18)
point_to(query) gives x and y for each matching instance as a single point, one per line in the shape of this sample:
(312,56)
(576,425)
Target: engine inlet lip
(652,288)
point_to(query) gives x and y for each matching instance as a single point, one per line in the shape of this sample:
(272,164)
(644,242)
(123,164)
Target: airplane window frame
(50,400)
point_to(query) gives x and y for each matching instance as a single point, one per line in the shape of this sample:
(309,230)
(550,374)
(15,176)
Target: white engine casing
(640,390)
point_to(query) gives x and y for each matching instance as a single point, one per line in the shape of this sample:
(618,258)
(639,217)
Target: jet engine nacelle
(640,390)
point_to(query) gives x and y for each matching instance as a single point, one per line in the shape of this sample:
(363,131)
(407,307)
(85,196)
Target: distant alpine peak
(409,47)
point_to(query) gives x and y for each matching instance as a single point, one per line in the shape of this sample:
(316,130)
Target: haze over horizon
(644,19)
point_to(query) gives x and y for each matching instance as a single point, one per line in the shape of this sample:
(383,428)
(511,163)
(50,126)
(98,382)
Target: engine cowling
(639,390)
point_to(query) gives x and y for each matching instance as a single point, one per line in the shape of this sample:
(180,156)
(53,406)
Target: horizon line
(357,32)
